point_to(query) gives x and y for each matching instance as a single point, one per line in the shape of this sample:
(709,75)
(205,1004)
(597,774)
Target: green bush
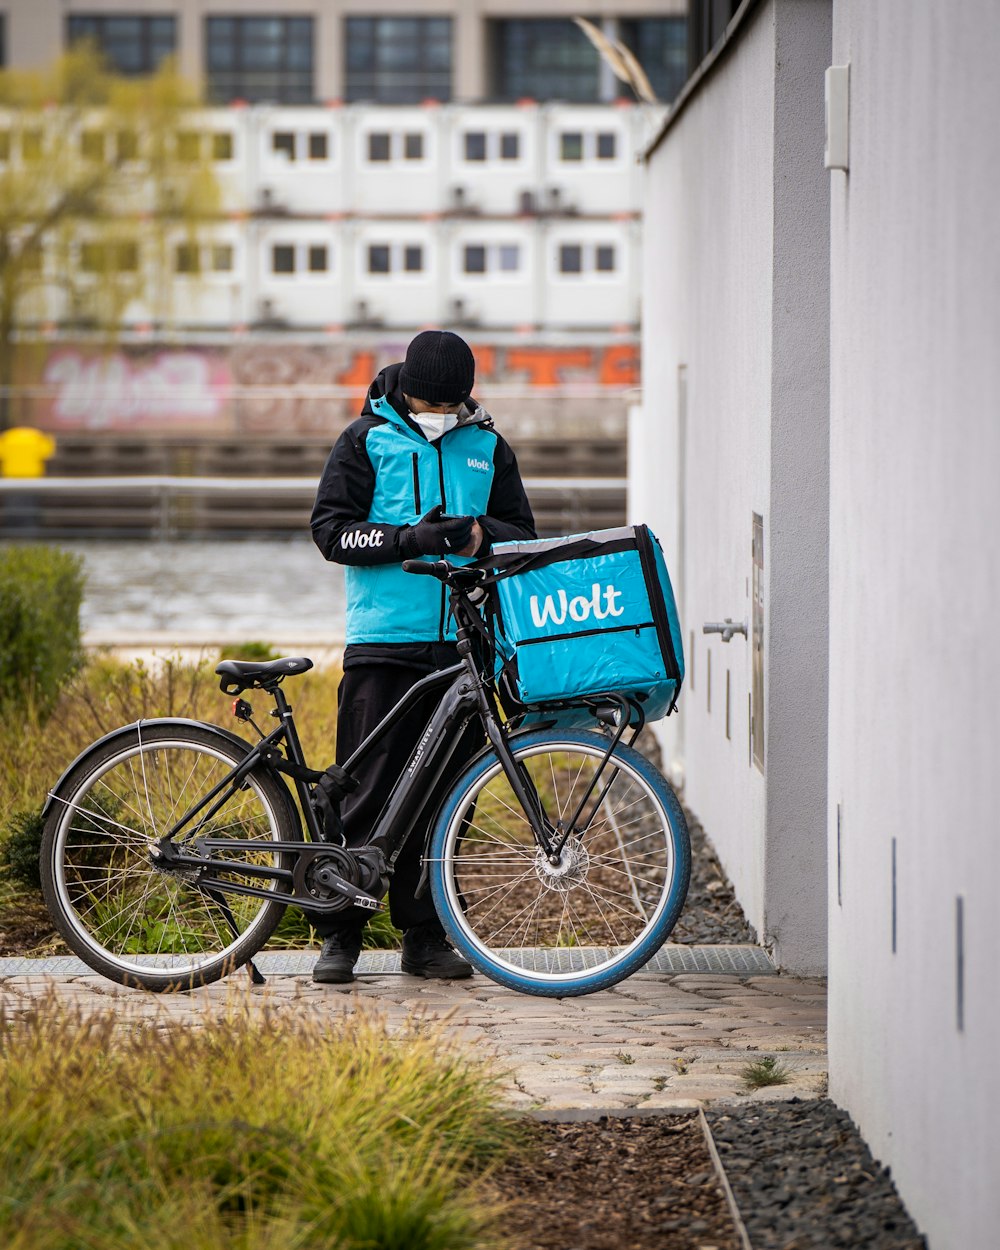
(41,589)
(20,847)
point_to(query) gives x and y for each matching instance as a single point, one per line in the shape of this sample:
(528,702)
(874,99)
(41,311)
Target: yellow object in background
(23,452)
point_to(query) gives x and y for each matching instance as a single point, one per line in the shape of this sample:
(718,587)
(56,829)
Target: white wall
(735,269)
(915,602)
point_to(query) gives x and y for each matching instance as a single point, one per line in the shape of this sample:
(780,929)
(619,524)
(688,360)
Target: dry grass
(259,1128)
(107,694)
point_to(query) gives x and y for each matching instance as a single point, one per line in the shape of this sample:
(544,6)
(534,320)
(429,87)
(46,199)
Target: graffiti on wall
(261,386)
(111,391)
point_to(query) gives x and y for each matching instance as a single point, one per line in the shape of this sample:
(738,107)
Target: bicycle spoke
(608,890)
(131,914)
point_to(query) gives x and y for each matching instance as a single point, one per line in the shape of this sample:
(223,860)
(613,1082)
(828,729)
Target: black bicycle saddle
(239,675)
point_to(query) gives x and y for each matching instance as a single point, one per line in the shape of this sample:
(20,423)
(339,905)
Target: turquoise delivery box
(587,614)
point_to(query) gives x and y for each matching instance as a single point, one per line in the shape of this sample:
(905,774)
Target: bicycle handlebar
(440,569)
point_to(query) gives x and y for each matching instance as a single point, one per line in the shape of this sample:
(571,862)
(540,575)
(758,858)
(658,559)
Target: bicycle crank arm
(356,897)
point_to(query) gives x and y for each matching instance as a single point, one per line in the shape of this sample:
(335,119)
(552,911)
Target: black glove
(433,537)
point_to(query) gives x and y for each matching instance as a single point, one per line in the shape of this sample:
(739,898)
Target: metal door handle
(726,628)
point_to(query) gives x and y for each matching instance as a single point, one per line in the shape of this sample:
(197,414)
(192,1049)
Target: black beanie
(439,368)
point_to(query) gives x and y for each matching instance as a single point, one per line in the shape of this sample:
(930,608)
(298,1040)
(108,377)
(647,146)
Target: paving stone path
(655,1040)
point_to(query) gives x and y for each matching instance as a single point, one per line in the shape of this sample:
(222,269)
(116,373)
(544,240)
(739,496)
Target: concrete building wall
(733,423)
(915,599)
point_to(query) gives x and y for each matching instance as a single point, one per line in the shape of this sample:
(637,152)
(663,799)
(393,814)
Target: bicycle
(558,860)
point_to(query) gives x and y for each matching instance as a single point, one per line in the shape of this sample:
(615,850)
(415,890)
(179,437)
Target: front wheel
(118,908)
(608,903)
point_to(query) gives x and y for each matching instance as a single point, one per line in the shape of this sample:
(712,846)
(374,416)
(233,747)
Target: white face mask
(435,424)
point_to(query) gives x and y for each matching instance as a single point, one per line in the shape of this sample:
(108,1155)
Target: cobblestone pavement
(653,1041)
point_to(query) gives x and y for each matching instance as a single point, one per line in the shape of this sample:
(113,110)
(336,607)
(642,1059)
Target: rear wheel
(124,914)
(611,898)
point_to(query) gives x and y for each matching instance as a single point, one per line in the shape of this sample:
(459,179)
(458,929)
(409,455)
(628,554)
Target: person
(422,473)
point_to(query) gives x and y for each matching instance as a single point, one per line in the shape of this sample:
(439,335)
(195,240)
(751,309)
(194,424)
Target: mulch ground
(25,928)
(617,1184)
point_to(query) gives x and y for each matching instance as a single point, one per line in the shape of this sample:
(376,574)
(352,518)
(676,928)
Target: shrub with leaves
(41,589)
(20,846)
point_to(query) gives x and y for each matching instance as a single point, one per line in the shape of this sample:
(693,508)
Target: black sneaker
(428,953)
(340,952)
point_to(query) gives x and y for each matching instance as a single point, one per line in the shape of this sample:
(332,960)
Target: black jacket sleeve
(340,525)
(508,513)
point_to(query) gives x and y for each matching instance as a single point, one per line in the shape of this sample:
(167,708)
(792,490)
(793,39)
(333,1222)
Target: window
(282,258)
(127,145)
(187,258)
(398,60)
(387,147)
(543,59)
(378,147)
(31,258)
(378,259)
(478,258)
(475,259)
(32,145)
(131,44)
(222,258)
(575,145)
(259,58)
(570,258)
(475,146)
(317,258)
(283,141)
(222,146)
(589,258)
(188,145)
(318,146)
(385,258)
(660,47)
(480,145)
(571,147)
(92,145)
(125,257)
(109,257)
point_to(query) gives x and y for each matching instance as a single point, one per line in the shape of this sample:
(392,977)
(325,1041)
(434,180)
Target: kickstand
(256,976)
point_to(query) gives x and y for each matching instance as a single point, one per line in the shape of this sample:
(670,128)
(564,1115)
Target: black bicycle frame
(462,697)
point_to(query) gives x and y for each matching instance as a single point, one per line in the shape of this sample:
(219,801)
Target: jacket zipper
(444,508)
(416,485)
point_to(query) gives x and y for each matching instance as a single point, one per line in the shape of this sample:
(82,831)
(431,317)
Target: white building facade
(825,359)
(474,164)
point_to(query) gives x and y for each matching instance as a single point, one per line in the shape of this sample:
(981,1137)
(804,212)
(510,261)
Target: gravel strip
(804,1179)
(711,915)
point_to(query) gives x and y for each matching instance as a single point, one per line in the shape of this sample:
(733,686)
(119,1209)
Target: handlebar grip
(438,568)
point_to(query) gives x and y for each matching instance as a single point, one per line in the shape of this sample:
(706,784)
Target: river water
(169,593)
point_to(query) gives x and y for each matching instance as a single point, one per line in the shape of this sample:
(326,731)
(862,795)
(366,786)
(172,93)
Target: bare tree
(101,178)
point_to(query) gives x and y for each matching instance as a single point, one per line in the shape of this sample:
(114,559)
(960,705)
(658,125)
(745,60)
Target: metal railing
(166,506)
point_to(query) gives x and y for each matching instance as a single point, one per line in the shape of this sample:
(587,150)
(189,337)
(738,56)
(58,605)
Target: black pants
(367,693)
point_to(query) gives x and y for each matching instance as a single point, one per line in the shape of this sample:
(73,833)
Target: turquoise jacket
(382,476)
